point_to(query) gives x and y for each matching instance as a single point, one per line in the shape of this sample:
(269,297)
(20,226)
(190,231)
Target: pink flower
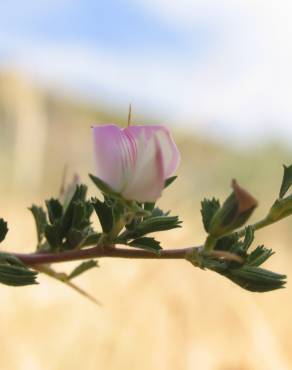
(135,161)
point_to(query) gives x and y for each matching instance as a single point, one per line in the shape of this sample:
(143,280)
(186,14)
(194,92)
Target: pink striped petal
(114,156)
(170,153)
(135,161)
(147,182)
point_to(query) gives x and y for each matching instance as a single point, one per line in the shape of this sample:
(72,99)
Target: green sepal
(287,180)
(3,229)
(104,188)
(169,181)
(234,212)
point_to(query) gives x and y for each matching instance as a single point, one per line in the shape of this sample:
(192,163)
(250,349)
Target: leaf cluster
(137,219)
(12,271)
(249,275)
(65,227)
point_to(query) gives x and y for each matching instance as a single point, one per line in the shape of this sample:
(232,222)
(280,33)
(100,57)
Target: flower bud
(234,212)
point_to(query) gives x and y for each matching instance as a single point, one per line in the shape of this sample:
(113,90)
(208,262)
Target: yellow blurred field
(163,315)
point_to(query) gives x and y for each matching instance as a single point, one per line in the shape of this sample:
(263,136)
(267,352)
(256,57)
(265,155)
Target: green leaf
(84,266)
(54,236)
(14,273)
(208,209)
(3,229)
(169,181)
(146,243)
(104,188)
(248,237)
(257,279)
(74,239)
(40,221)
(287,180)
(154,224)
(91,239)
(258,256)
(105,215)
(55,210)
(67,219)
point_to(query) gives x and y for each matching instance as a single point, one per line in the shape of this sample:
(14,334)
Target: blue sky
(222,67)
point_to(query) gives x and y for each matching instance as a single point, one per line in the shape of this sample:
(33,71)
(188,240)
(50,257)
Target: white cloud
(241,85)
(244,82)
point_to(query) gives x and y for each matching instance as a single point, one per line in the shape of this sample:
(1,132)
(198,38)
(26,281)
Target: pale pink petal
(114,156)
(169,150)
(147,182)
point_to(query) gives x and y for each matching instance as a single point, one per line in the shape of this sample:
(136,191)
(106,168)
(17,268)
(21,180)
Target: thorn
(129,115)
(63,278)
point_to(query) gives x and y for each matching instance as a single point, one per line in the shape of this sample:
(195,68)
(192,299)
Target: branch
(31,259)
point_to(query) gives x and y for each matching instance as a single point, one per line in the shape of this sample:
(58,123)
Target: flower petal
(169,150)
(114,155)
(147,182)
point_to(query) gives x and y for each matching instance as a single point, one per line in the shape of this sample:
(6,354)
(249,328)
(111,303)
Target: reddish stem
(31,259)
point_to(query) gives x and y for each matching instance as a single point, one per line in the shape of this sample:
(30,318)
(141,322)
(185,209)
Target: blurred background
(218,74)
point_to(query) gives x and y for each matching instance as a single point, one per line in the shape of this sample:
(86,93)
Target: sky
(219,67)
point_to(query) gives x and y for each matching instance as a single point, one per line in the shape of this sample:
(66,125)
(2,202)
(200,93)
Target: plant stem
(31,259)
(258,225)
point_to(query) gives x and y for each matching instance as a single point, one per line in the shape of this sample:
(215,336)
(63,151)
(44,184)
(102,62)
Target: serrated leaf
(154,224)
(208,209)
(248,237)
(287,180)
(105,215)
(3,229)
(227,242)
(146,243)
(67,219)
(74,239)
(252,278)
(258,256)
(55,209)
(40,221)
(14,273)
(54,236)
(257,279)
(84,266)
